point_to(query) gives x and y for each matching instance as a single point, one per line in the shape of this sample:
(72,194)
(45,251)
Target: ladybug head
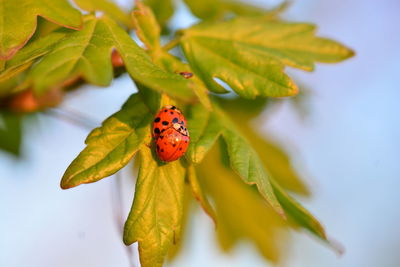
(172,108)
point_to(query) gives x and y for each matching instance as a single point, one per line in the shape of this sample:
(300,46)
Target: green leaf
(19,19)
(298,213)
(274,158)
(10,132)
(111,146)
(204,127)
(148,32)
(245,9)
(45,27)
(24,58)
(205,9)
(173,64)
(245,161)
(142,69)
(277,163)
(217,9)
(109,8)
(163,10)
(146,26)
(87,53)
(241,212)
(199,194)
(188,201)
(249,54)
(84,53)
(155,218)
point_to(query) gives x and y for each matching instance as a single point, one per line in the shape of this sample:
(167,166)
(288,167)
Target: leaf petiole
(171,44)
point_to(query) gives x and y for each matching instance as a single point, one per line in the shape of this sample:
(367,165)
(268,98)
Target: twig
(72,117)
(171,44)
(116,197)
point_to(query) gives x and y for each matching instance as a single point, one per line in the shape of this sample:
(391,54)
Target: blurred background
(342,136)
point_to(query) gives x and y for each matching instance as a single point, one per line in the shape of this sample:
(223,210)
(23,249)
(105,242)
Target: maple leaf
(19,19)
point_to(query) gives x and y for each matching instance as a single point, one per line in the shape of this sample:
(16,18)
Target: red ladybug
(166,118)
(171,145)
(171,134)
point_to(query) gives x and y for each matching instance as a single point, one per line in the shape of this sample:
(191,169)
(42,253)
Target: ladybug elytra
(170,132)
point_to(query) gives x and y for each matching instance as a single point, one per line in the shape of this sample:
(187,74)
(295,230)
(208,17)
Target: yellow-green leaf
(216,9)
(87,53)
(146,26)
(204,127)
(155,218)
(111,146)
(274,158)
(148,32)
(19,18)
(173,64)
(108,7)
(242,213)
(163,10)
(141,68)
(249,54)
(298,213)
(245,161)
(26,56)
(199,194)
(207,126)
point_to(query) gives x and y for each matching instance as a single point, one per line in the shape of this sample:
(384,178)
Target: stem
(116,197)
(172,44)
(72,117)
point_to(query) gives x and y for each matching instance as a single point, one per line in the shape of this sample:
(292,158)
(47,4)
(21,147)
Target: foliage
(235,46)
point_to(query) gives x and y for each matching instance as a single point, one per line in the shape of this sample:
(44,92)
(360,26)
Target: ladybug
(171,145)
(166,118)
(170,133)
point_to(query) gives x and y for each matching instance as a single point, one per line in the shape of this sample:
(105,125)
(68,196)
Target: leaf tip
(127,240)
(128,236)
(64,184)
(336,246)
(281,212)
(293,89)
(350,53)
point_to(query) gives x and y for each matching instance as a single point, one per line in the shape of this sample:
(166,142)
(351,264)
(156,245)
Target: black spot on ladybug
(185,141)
(165,110)
(163,130)
(171,112)
(180,148)
(157,119)
(161,136)
(175,120)
(174,145)
(165,123)
(162,150)
(157,131)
